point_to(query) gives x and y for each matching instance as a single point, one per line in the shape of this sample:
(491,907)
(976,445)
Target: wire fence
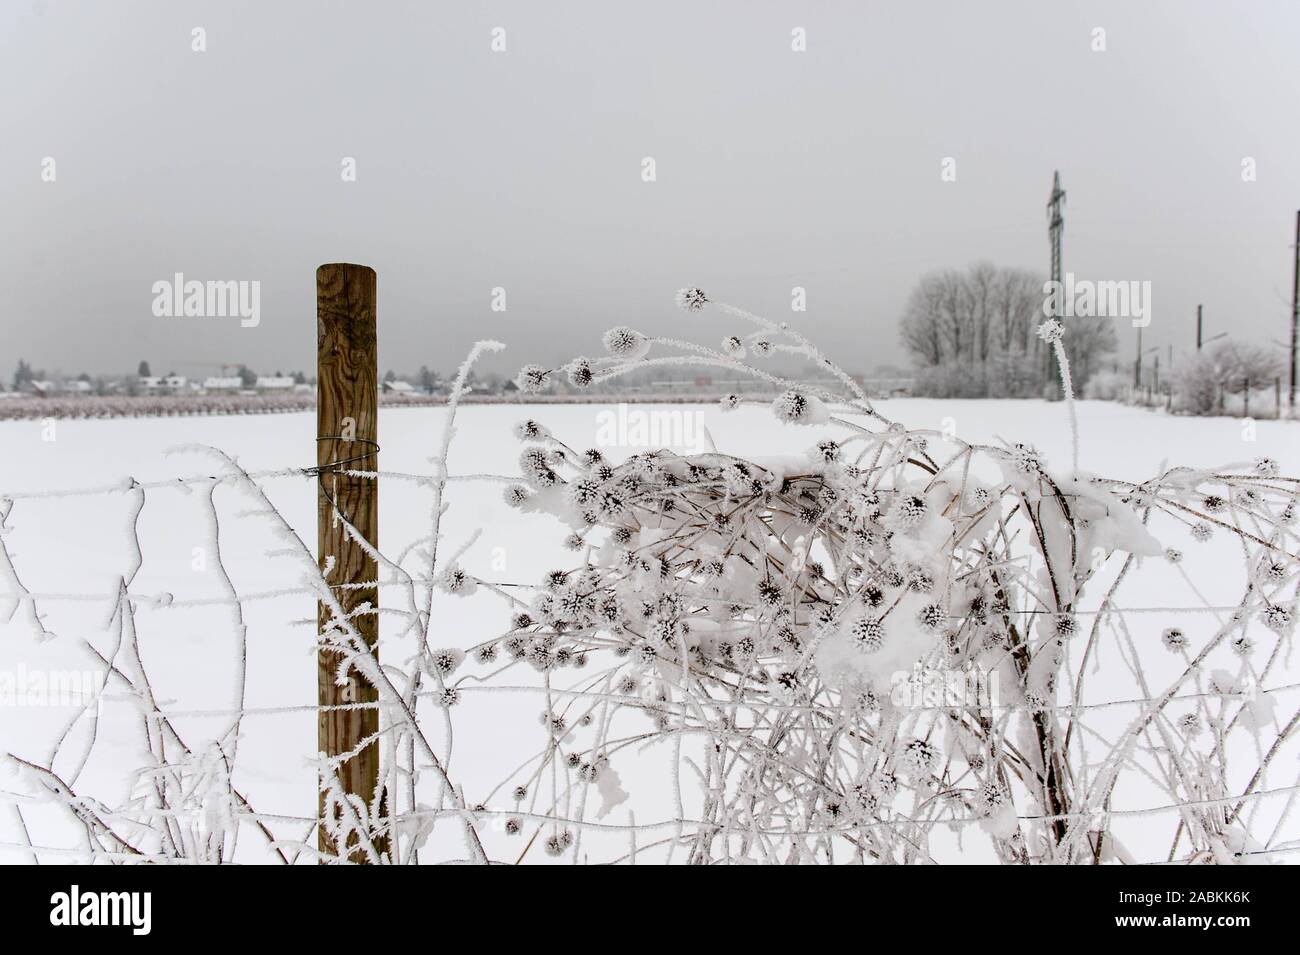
(851,659)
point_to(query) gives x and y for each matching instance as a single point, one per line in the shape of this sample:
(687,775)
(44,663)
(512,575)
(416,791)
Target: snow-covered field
(72,551)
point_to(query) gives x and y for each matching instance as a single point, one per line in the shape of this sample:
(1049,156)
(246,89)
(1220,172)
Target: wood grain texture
(347,427)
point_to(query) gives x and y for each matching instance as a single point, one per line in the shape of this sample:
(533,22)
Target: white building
(162,385)
(223,384)
(274,383)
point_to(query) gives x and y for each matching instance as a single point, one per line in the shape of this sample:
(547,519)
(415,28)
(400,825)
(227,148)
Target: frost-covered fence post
(347,399)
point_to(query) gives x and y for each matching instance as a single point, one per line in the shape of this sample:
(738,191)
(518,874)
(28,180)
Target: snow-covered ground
(72,551)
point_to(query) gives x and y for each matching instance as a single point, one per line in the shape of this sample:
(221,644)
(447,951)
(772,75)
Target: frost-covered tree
(972,335)
(1202,381)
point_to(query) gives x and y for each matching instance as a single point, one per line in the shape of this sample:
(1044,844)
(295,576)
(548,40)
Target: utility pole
(1198,328)
(1055,226)
(1137,362)
(1295,310)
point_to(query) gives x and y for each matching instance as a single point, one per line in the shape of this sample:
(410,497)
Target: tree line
(973,334)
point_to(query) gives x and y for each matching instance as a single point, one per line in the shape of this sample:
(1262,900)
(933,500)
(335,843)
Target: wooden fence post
(347,404)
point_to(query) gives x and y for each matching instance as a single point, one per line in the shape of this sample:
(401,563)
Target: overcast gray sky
(522,169)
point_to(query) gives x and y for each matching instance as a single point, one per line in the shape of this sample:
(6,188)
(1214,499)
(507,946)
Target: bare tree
(1228,369)
(972,334)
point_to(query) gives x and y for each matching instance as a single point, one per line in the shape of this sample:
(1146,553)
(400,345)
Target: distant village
(233,380)
(237,389)
(241,380)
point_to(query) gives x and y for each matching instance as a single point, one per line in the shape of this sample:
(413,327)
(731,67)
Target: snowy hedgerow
(626,343)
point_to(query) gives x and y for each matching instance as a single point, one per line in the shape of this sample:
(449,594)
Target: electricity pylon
(1055,226)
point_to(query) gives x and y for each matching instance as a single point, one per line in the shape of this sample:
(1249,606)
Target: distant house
(274,383)
(77,387)
(397,387)
(37,387)
(162,384)
(230,385)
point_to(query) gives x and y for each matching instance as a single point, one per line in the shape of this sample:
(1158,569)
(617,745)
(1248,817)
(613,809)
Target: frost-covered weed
(799,589)
(756,623)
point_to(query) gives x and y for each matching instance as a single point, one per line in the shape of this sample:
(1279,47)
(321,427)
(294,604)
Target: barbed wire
(716,722)
(165,600)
